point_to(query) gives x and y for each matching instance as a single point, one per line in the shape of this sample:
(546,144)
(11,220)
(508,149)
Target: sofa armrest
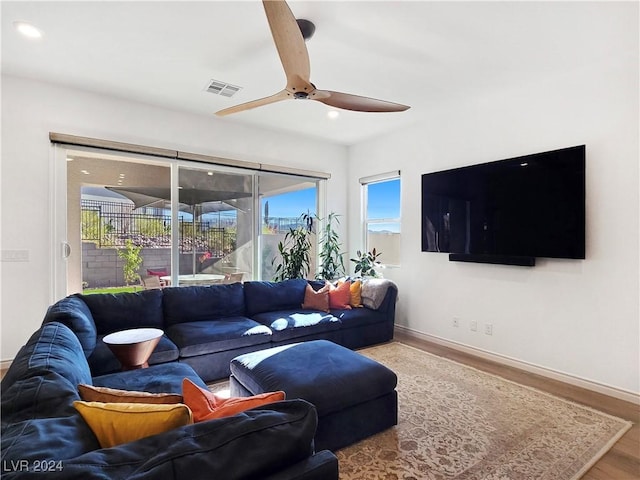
(321,466)
(379,294)
(75,314)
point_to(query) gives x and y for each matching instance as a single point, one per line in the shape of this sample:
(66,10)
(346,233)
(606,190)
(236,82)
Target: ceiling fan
(295,61)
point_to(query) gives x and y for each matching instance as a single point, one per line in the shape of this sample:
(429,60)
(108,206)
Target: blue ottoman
(355,396)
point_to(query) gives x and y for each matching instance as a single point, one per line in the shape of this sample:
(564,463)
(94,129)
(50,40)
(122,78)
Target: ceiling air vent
(221,88)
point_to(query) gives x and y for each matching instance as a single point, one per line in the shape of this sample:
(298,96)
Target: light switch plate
(15,255)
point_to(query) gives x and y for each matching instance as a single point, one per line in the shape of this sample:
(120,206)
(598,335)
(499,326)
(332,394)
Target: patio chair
(151,282)
(161,272)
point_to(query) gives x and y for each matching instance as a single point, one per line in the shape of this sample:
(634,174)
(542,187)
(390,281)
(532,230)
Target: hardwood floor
(622,462)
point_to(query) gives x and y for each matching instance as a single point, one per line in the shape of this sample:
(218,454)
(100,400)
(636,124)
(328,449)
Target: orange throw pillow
(206,405)
(340,296)
(316,300)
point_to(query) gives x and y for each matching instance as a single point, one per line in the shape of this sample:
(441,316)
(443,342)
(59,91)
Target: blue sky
(384,201)
(291,204)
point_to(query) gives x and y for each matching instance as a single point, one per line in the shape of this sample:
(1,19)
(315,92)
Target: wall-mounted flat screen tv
(529,206)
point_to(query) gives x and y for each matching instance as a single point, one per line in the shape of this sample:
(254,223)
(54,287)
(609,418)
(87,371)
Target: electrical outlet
(473,325)
(488,329)
(456,322)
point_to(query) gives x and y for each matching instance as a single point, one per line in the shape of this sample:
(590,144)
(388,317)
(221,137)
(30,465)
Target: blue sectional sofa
(207,326)
(44,436)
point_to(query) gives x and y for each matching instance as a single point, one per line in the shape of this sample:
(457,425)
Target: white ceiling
(412,52)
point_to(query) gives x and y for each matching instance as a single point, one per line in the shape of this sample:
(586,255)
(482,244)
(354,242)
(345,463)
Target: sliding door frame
(62,282)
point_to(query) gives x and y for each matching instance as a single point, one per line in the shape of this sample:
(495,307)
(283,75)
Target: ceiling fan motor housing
(307,28)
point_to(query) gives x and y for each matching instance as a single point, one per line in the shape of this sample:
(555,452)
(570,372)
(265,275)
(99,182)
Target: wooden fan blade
(356,103)
(283,95)
(289,41)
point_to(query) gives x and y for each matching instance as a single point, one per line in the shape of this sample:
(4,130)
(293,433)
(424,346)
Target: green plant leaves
(331,262)
(366,263)
(132,261)
(295,252)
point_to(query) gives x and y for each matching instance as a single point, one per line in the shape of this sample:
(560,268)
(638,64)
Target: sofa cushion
(75,314)
(289,324)
(357,317)
(192,304)
(103,361)
(270,296)
(46,440)
(117,423)
(164,378)
(120,311)
(203,337)
(52,348)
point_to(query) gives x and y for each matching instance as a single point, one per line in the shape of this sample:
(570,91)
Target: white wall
(579,318)
(30,110)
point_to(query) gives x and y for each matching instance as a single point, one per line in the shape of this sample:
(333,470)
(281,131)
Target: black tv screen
(529,206)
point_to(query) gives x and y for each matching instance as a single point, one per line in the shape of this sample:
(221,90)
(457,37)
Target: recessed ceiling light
(27,29)
(333,114)
(85,172)
(210,173)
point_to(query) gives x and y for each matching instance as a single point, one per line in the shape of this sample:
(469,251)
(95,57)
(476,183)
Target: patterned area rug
(456,422)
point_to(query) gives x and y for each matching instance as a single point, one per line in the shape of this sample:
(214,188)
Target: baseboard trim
(522,365)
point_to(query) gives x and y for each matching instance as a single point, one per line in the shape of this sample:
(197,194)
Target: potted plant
(366,263)
(295,252)
(331,262)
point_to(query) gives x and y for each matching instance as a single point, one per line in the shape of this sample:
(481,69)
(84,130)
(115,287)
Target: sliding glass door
(127,217)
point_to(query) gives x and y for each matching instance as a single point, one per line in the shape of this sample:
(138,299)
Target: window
(381,216)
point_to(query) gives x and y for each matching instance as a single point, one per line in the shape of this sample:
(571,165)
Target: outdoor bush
(132,261)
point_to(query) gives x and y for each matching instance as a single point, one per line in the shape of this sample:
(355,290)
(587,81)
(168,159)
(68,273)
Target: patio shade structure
(196,201)
(188,198)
